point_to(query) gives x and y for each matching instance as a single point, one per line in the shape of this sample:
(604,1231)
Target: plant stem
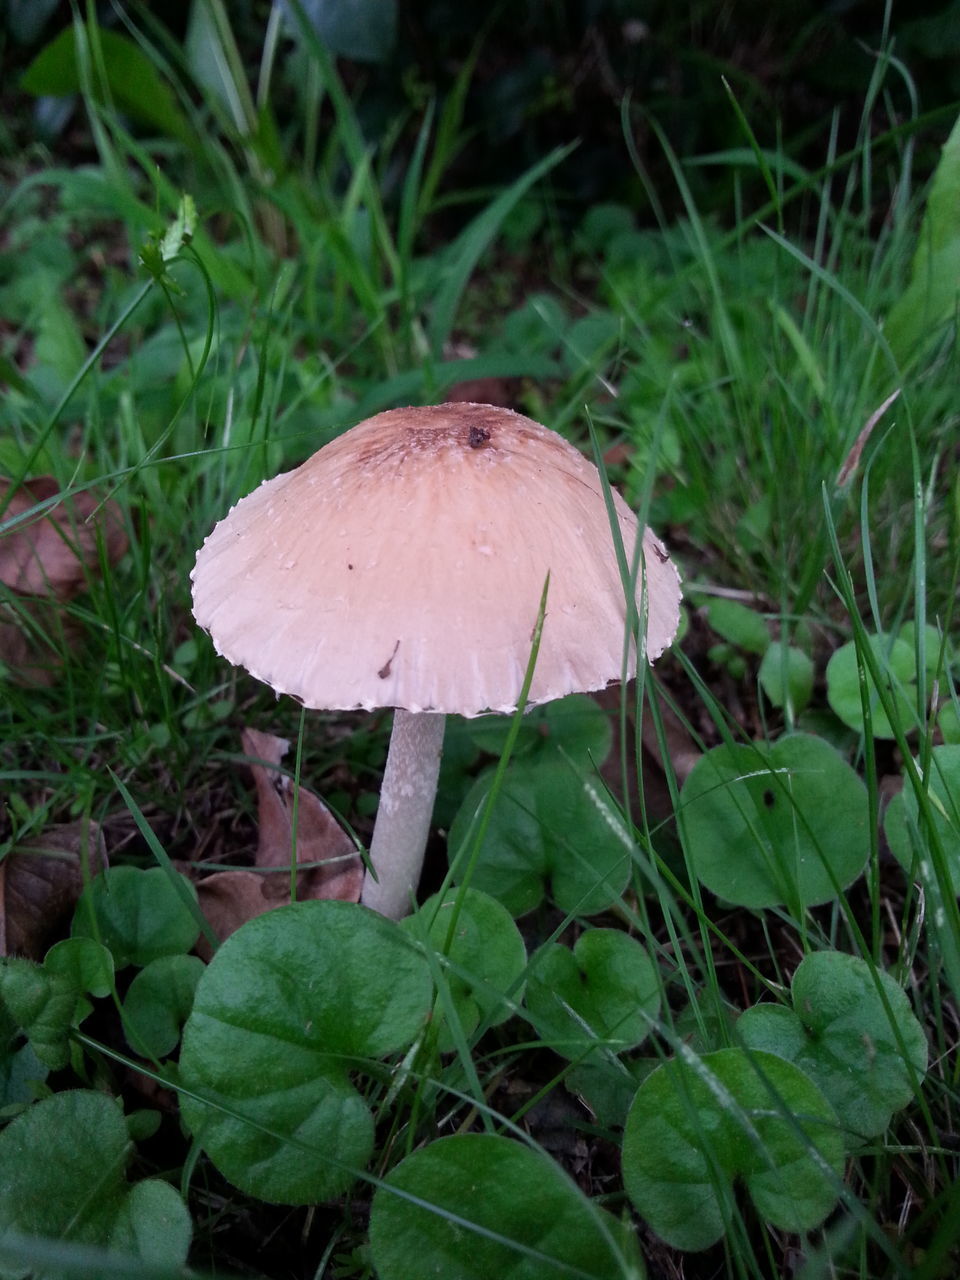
(406,807)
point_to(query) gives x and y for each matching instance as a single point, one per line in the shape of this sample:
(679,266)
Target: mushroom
(403,566)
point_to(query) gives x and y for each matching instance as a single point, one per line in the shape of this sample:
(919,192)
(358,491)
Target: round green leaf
(48,1001)
(936,647)
(290,1005)
(62,1177)
(903,829)
(786,676)
(20,1068)
(698,1124)
(741,626)
(84,964)
(769,825)
(896,662)
(603,994)
(496,1209)
(157,1003)
(576,725)
(138,915)
(845,1031)
(552,830)
(948,722)
(485,959)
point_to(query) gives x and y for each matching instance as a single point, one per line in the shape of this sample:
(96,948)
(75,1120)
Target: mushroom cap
(403,565)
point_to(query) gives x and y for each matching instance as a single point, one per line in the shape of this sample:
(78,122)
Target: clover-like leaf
(552,830)
(485,958)
(478,1206)
(786,677)
(739,625)
(47,1001)
(158,1003)
(62,1177)
(602,994)
(20,1068)
(899,672)
(699,1124)
(852,1031)
(769,825)
(138,915)
(905,834)
(291,1005)
(576,725)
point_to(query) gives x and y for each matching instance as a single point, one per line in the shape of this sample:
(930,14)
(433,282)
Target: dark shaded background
(553,70)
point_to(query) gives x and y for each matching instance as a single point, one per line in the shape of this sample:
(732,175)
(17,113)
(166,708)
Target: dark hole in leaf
(769,799)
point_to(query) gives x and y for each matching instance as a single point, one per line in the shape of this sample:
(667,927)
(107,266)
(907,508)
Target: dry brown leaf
(50,551)
(35,636)
(683,751)
(40,881)
(229,898)
(320,838)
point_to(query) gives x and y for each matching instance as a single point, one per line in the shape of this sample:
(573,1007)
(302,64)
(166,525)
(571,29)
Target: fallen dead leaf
(40,881)
(35,635)
(49,551)
(229,899)
(327,861)
(682,750)
(852,461)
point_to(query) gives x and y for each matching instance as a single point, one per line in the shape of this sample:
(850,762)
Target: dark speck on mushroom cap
(434,434)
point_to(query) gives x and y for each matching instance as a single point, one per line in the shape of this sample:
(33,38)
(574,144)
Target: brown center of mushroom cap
(442,434)
(402,565)
(401,434)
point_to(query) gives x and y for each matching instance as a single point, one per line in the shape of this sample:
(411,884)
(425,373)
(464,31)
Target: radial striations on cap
(402,565)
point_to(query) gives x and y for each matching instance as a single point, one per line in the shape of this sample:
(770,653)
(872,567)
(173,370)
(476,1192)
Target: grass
(727,372)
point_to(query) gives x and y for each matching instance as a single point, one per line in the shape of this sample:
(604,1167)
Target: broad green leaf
(769,825)
(604,993)
(361,29)
(20,1068)
(591,337)
(158,1003)
(905,833)
(59,350)
(845,1031)
(930,300)
(478,1206)
(537,325)
(897,662)
(47,1001)
(553,830)
(84,963)
(134,82)
(289,1008)
(739,625)
(138,915)
(786,676)
(62,1178)
(948,722)
(486,957)
(698,1125)
(576,726)
(607,1085)
(938,652)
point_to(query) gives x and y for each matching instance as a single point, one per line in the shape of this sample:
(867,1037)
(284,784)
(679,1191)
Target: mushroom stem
(403,817)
